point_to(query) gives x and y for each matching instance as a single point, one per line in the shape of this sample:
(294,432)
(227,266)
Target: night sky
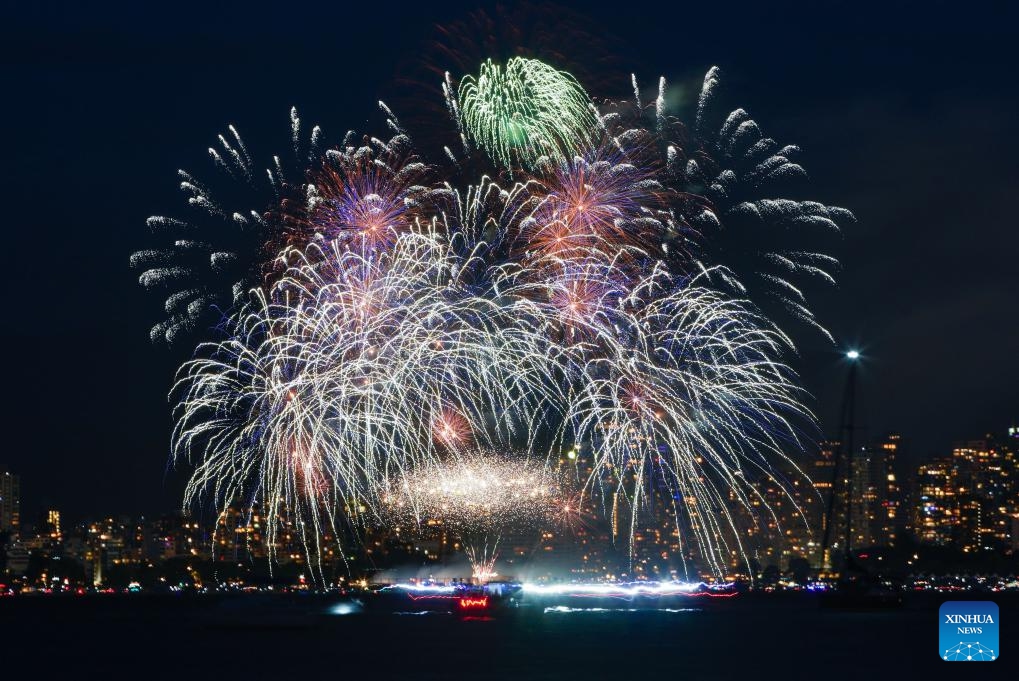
(908,118)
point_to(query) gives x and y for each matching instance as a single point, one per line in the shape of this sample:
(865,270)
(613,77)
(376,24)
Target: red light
(473,603)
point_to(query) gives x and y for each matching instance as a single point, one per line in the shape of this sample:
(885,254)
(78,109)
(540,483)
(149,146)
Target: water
(301,636)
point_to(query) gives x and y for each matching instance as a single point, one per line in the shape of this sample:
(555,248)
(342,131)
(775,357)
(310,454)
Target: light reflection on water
(562,609)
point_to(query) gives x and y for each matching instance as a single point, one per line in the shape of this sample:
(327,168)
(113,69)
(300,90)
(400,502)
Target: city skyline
(807,457)
(966,501)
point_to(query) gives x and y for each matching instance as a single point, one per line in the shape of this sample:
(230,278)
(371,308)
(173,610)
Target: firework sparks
(524,111)
(691,394)
(348,361)
(594,206)
(478,497)
(726,177)
(364,198)
(215,252)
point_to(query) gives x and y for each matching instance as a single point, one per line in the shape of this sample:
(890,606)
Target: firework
(690,394)
(362,198)
(593,205)
(727,179)
(479,496)
(400,328)
(250,419)
(524,111)
(216,251)
(350,370)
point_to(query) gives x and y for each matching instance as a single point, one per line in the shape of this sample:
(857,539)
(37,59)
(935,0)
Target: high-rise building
(874,490)
(866,462)
(10,501)
(235,528)
(970,500)
(825,482)
(984,478)
(876,493)
(861,484)
(53,523)
(890,520)
(934,513)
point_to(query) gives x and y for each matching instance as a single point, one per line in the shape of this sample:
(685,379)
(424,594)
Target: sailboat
(857,587)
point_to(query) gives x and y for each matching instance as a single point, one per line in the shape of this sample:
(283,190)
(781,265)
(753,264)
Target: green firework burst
(526,110)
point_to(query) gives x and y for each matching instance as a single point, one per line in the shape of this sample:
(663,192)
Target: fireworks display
(387,329)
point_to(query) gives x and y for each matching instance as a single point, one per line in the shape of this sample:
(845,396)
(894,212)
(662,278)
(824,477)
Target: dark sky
(906,116)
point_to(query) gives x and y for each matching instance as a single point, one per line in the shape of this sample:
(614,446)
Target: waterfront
(297,635)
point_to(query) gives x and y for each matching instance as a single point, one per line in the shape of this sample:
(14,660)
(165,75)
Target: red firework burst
(452,430)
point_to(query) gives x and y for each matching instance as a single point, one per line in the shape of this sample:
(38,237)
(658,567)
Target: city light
(624,591)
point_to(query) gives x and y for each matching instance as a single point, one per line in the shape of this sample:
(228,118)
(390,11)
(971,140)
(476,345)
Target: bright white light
(347,608)
(614,590)
(425,588)
(853,354)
